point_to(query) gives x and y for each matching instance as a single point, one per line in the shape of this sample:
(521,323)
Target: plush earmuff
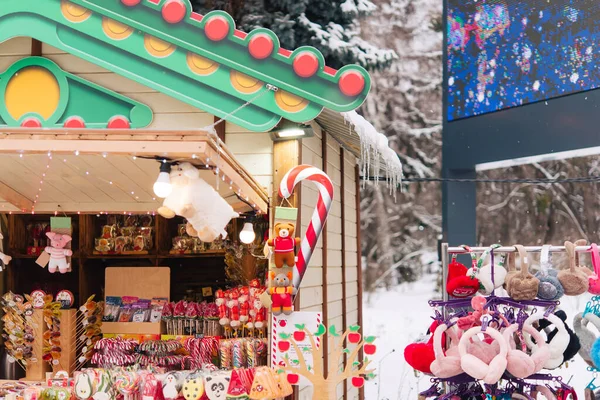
(587,338)
(473,366)
(558,343)
(459,283)
(573,280)
(483,271)
(574,343)
(594,278)
(520,364)
(445,365)
(550,287)
(420,354)
(522,285)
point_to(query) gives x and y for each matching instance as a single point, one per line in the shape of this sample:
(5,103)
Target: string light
(76,152)
(134,158)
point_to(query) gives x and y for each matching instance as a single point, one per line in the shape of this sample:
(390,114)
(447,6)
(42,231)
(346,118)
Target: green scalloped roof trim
(94,104)
(215,93)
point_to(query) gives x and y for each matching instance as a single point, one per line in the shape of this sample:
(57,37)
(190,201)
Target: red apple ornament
(358,381)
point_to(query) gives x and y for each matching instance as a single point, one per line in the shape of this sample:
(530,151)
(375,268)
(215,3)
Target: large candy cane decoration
(325,186)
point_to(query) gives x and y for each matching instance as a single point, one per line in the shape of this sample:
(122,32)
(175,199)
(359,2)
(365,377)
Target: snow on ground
(397,317)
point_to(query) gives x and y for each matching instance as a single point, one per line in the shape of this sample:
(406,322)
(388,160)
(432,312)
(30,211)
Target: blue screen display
(503,54)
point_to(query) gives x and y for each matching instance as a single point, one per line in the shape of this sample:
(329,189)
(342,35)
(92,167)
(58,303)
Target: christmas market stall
(178,207)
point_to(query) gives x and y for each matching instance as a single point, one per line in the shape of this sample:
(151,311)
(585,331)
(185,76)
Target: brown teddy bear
(284,244)
(281,291)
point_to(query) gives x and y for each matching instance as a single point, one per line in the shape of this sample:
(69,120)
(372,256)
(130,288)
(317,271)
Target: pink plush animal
(58,253)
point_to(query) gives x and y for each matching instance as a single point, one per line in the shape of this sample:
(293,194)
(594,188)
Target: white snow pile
(374,148)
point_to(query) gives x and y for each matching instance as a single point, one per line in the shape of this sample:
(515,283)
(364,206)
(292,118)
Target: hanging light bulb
(162,187)
(247,234)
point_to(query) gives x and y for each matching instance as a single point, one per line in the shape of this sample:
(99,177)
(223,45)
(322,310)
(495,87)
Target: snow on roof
(375,147)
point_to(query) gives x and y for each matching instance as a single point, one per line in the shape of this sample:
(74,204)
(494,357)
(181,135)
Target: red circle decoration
(31,122)
(217,28)
(74,122)
(306,64)
(173,11)
(260,46)
(131,3)
(352,83)
(118,122)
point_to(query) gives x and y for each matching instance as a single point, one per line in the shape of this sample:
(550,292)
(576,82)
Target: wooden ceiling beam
(15,198)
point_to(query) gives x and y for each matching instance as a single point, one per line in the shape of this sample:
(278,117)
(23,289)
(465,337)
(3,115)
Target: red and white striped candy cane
(325,186)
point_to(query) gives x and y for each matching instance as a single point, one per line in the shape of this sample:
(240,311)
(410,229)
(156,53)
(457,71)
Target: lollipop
(179,315)
(167,316)
(127,383)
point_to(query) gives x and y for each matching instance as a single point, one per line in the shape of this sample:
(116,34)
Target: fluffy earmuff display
(558,344)
(483,271)
(445,365)
(521,285)
(594,278)
(459,283)
(420,354)
(587,338)
(520,364)
(574,344)
(573,280)
(473,366)
(550,287)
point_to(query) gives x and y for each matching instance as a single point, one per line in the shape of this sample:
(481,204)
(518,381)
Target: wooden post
(68,341)
(286,155)
(37,371)
(220,128)
(361,391)
(344,295)
(325,343)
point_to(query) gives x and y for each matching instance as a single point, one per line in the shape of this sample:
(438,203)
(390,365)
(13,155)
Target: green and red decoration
(37,93)
(345,353)
(201,60)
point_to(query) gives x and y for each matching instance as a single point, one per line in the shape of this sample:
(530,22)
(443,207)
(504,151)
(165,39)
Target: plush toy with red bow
(233,304)
(220,301)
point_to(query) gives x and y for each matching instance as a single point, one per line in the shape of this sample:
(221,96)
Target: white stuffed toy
(192,198)
(4,259)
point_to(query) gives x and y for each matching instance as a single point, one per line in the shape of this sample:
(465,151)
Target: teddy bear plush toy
(192,198)
(284,244)
(58,253)
(281,293)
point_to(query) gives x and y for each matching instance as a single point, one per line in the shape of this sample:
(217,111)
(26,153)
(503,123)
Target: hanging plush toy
(244,304)
(192,198)
(284,244)
(4,259)
(58,253)
(220,301)
(281,293)
(233,304)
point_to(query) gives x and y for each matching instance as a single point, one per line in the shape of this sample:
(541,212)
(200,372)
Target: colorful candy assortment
(242,353)
(190,318)
(240,307)
(18,328)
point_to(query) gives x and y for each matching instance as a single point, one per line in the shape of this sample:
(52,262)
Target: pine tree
(330,26)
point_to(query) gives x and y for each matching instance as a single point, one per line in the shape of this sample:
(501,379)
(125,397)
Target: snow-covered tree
(405,104)
(331,26)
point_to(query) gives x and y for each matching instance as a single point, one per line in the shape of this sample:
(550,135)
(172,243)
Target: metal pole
(445,270)
(512,249)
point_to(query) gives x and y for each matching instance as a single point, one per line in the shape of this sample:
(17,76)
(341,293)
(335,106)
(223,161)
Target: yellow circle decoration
(289,102)
(32,90)
(200,65)
(116,30)
(74,12)
(244,83)
(158,48)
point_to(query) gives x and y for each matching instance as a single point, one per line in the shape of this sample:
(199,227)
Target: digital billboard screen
(507,53)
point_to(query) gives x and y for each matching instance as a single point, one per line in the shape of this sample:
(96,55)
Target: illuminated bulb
(162,187)
(134,157)
(104,155)
(49,154)
(20,155)
(87,172)
(247,234)
(194,156)
(110,182)
(76,152)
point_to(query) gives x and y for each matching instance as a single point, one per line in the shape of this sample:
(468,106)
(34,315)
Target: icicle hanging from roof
(374,146)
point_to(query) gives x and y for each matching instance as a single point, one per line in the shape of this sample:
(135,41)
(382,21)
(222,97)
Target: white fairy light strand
(130,193)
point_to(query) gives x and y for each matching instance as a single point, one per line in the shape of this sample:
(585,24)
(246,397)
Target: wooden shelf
(35,256)
(133,328)
(212,253)
(114,256)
